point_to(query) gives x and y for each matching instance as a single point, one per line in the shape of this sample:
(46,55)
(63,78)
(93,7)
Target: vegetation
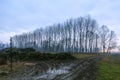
(35,56)
(84,55)
(29,54)
(3,59)
(74,35)
(109,68)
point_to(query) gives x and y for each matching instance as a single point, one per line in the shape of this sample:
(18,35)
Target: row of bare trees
(75,35)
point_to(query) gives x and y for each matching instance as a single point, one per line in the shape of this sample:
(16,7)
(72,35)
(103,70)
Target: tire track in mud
(82,69)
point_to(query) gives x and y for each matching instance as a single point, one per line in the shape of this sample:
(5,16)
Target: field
(109,68)
(84,67)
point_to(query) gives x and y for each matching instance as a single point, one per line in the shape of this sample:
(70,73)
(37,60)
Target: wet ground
(81,69)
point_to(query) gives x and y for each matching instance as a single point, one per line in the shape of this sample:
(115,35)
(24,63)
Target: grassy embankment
(109,68)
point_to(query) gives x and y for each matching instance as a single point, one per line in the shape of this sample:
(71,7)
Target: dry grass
(17,68)
(79,56)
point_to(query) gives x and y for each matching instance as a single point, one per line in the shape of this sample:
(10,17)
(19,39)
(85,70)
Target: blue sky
(18,16)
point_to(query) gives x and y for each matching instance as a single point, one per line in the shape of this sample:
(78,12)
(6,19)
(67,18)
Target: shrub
(3,61)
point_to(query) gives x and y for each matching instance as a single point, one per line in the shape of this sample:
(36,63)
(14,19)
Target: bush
(29,54)
(3,61)
(37,56)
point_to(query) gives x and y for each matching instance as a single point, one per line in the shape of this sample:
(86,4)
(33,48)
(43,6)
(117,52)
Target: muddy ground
(80,69)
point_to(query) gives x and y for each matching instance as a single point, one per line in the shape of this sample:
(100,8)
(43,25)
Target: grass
(79,56)
(108,69)
(17,67)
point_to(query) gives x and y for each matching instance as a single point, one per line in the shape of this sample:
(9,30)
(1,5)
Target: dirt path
(81,69)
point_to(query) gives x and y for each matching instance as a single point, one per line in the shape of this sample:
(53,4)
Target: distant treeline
(3,45)
(75,35)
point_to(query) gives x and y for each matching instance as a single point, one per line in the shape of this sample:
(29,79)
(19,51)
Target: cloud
(17,16)
(5,35)
(107,12)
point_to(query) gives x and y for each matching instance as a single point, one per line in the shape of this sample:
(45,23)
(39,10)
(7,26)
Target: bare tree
(74,35)
(112,41)
(104,37)
(11,53)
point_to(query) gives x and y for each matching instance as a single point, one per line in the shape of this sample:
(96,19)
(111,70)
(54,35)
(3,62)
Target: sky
(18,16)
